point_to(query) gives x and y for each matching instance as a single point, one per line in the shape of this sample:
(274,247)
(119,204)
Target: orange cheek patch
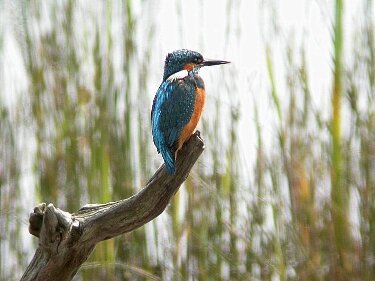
(189,66)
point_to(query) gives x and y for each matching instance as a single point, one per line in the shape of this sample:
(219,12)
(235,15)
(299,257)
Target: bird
(178,103)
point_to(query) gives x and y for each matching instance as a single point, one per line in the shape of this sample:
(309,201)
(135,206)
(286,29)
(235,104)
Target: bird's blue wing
(172,109)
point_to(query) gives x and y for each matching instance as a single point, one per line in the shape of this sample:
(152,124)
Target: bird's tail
(168,160)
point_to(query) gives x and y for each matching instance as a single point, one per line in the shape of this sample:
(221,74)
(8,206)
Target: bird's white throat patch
(178,75)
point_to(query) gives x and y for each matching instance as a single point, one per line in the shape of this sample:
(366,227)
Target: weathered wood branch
(66,240)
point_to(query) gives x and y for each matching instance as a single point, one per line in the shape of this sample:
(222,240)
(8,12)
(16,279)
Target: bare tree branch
(66,240)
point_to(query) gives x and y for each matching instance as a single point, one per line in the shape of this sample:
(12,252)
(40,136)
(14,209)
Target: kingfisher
(178,103)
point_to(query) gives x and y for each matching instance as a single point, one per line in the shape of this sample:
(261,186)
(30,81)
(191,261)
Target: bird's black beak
(208,62)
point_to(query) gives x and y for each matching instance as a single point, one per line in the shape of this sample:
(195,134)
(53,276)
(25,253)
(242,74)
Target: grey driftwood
(66,240)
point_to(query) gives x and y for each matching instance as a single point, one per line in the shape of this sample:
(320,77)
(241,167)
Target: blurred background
(285,189)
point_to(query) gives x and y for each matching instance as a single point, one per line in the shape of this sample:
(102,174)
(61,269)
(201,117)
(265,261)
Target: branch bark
(66,240)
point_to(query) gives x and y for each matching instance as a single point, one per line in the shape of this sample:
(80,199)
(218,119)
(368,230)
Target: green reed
(93,145)
(339,191)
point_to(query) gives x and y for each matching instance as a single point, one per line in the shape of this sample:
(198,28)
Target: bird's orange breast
(190,127)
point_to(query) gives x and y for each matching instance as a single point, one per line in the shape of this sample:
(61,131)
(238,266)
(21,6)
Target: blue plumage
(172,109)
(174,103)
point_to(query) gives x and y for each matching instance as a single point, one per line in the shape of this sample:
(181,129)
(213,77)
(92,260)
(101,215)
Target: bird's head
(186,60)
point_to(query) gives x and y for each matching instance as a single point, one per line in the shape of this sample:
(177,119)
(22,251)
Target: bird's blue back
(178,103)
(172,109)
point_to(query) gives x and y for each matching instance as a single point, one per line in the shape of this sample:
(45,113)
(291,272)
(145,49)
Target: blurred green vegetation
(93,145)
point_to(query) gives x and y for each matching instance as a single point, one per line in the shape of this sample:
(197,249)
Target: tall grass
(287,218)
(339,190)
